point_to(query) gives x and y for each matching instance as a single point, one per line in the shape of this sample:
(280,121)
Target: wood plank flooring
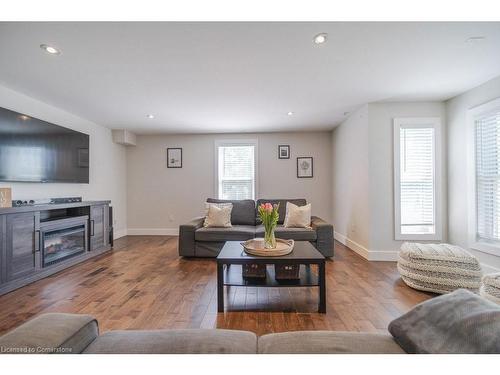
(144,284)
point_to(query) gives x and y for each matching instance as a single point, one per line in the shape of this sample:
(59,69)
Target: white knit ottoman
(438,268)
(490,287)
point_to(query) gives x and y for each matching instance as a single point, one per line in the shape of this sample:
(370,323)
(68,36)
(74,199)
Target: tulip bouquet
(269,215)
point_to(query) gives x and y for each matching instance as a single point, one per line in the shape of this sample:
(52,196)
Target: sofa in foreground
(198,241)
(459,322)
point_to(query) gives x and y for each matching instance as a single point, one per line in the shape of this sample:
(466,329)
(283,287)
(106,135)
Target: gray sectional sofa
(73,334)
(197,241)
(459,322)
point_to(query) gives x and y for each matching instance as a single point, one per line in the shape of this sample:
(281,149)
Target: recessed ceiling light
(320,38)
(474,39)
(290,113)
(24,117)
(50,49)
(150,116)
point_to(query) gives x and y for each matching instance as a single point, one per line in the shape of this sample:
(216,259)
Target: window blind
(417,180)
(236,172)
(488,176)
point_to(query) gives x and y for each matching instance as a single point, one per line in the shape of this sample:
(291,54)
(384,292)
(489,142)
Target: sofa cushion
(176,341)
(51,333)
(328,342)
(282,208)
(456,323)
(234,233)
(243,212)
(296,234)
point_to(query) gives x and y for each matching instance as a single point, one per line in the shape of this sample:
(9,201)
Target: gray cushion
(460,322)
(243,212)
(282,208)
(177,341)
(328,342)
(234,233)
(51,333)
(297,234)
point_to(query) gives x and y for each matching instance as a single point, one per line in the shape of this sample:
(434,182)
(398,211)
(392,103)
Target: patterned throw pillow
(218,215)
(297,216)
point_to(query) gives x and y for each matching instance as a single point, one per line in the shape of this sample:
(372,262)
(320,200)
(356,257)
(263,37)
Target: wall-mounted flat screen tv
(32,150)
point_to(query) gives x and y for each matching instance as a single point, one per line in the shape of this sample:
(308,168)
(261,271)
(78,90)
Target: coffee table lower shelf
(233,277)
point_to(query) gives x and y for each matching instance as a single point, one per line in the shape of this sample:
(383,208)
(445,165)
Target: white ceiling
(234,77)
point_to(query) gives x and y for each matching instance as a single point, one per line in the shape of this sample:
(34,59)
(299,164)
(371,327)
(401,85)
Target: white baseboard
(119,233)
(488,269)
(372,255)
(153,231)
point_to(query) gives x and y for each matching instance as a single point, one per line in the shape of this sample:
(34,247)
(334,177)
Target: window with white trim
(486,177)
(417,178)
(236,169)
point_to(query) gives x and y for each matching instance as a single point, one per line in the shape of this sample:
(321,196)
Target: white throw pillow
(218,215)
(297,216)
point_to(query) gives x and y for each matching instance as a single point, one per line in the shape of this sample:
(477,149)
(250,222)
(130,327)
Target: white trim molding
(419,122)
(153,231)
(472,115)
(237,142)
(119,233)
(371,255)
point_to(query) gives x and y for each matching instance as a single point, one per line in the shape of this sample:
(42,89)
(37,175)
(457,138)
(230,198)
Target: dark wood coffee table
(232,256)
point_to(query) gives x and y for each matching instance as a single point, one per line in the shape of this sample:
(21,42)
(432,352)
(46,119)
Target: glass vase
(269,238)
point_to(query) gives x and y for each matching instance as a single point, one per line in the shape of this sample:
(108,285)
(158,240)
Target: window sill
(417,237)
(488,248)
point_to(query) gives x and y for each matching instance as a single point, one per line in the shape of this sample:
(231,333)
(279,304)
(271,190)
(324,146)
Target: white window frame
(237,142)
(472,115)
(416,122)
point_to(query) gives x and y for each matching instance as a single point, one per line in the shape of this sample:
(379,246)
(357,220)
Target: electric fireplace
(63,239)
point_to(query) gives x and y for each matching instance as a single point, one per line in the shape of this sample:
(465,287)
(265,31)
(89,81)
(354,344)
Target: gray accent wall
(161,198)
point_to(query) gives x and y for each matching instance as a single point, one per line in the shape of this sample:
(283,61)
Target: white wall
(362,165)
(457,160)
(381,170)
(159,198)
(350,183)
(107,159)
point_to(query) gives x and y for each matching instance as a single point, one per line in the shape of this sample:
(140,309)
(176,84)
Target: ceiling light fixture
(50,49)
(474,39)
(150,116)
(290,113)
(320,38)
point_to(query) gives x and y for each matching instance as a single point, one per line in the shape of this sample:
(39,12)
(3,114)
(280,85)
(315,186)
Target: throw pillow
(297,216)
(456,323)
(218,215)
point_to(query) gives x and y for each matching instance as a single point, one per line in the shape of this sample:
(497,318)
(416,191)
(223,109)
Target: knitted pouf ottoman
(490,287)
(438,268)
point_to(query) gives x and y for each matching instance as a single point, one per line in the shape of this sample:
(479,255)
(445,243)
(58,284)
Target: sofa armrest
(186,236)
(324,236)
(51,333)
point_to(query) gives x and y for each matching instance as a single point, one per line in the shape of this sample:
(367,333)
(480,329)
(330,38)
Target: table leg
(322,288)
(220,287)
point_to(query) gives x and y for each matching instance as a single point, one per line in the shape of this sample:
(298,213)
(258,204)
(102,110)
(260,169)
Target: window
(484,169)
(236,169)
(417,179)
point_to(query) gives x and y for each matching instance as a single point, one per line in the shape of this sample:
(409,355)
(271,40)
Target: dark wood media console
(38,241)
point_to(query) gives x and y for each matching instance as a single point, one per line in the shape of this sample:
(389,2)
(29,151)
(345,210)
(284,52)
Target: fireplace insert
(63,239)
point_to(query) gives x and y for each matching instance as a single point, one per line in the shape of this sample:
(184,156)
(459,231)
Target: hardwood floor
(144,284)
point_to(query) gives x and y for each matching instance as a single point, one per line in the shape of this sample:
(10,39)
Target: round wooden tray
(253,247)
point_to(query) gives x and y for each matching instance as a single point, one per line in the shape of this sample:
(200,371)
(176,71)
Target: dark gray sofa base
(197,241)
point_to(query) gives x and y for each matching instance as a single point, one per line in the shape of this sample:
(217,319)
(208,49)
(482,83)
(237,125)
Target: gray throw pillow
(459,322)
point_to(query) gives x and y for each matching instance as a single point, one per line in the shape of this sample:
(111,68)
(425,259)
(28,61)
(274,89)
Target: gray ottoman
(490,287)
(438,268)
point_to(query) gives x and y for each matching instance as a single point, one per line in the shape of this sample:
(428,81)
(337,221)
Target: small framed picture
(174,157)
(5,197)
(305,167)
(284,152)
